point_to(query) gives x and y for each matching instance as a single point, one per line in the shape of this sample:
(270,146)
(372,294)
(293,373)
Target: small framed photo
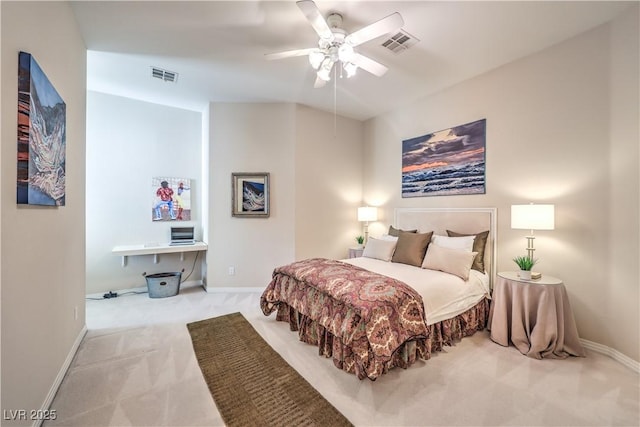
(250,194)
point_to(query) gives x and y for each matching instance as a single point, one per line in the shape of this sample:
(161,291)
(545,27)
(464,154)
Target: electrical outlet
(232,271)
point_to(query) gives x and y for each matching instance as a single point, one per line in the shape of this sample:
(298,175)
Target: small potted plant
(360,240)
(525,263)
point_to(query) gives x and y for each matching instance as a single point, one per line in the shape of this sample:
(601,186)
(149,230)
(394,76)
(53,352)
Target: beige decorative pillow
(411,248)
(396,232)
(388,237)
(453,261)
(379,249)
(479,245)
(464,243)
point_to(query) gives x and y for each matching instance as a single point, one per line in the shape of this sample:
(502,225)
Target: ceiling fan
(336,47)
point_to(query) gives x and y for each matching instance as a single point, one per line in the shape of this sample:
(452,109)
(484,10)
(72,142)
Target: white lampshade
(315,59)
(367,213)
(345,52)
(532,217)
(324,72)
(350,69)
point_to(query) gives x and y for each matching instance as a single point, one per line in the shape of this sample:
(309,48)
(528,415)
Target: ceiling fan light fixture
(345,52)
(350,68)
(324,72)
(315,59)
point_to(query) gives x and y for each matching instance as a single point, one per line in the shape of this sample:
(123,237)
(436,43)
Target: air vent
(400,42)
(167,76)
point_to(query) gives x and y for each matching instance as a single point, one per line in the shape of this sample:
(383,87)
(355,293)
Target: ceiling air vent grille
(400,42)
(167,76)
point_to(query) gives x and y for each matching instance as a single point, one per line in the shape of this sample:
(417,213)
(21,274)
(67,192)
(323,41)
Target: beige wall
(250,138)
(43,248)
(312,209)
(622,292)
(328,179)
(562,128)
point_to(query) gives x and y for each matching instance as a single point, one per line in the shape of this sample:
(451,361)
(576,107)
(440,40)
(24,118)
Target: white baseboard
(613,353)
(63,371)
(212,289)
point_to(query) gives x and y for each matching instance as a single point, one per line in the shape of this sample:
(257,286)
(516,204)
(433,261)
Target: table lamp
(366,214)
(532,217)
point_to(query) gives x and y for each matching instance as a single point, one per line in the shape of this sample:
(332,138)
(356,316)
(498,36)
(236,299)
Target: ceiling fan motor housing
(334,20)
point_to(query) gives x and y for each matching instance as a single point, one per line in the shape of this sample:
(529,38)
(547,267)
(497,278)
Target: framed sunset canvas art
(446,162)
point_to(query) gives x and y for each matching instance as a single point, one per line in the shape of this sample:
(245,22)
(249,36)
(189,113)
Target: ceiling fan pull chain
(335,103)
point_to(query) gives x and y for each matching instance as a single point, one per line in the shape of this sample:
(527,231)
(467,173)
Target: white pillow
(464,243)
(389,237)
(379,249)
(453,261)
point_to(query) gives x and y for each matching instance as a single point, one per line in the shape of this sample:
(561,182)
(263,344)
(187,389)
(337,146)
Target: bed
(423,285)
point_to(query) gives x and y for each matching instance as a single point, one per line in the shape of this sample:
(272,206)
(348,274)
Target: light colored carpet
(136,367)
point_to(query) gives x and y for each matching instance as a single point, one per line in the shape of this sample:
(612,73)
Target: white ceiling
(218,47)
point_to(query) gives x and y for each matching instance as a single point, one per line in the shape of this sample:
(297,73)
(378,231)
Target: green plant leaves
(525,262)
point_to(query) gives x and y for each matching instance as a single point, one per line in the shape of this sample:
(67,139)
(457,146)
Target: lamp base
(530,248)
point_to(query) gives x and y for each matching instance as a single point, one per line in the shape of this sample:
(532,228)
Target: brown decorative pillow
(479,244)
(411,248)
(396,232)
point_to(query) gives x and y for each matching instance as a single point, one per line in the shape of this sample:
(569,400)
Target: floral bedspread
(367,322)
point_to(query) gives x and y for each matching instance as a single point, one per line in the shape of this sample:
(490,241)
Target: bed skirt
(440,334)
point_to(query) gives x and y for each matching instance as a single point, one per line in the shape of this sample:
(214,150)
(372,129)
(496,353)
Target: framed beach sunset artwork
(444,163)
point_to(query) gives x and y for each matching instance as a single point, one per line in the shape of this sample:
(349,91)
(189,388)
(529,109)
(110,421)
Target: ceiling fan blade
(289,53)
(386,25)
(313,15)
(319,83)
(369,65)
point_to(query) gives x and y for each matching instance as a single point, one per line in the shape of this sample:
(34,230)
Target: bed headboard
(461,220)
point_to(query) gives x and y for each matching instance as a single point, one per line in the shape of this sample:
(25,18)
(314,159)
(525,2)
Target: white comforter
(445,295)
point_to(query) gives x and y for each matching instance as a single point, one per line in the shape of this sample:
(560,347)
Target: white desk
(156,249)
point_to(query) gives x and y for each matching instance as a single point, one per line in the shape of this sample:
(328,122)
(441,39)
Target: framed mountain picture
(250,194)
